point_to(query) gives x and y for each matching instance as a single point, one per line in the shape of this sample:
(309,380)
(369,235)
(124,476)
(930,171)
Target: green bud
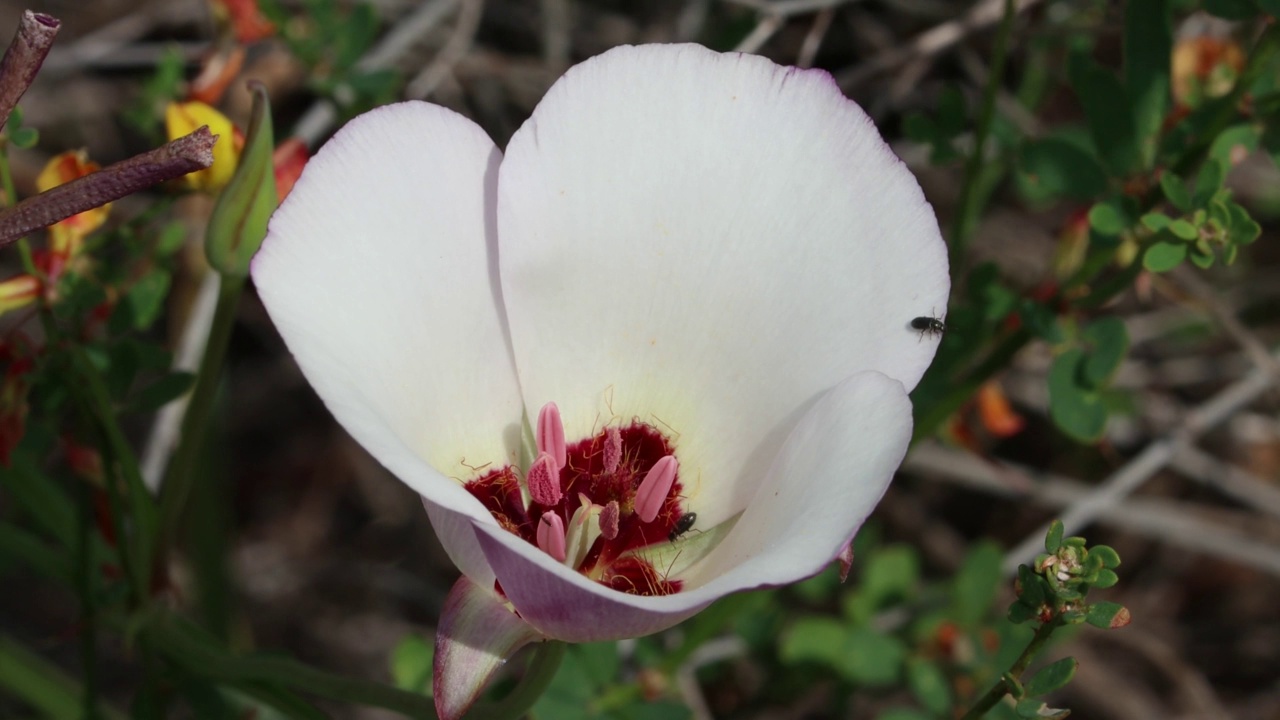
(239,220)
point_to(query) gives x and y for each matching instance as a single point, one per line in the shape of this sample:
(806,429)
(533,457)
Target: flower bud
(239,220)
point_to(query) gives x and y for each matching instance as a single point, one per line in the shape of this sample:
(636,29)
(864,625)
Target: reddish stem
(167,162)
(24,57)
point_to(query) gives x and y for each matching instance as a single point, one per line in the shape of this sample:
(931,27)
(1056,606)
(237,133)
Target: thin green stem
(1001,688)
(181,475)
(137,540)
(35,681)
(970,202)
(542,669)
(192,648)
(11,199)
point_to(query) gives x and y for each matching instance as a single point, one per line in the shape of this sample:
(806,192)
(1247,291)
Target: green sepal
(239,220)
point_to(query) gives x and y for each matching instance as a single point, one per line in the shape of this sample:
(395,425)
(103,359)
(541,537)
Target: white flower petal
(829,475)
(832,471)
(707,242)
(379,271)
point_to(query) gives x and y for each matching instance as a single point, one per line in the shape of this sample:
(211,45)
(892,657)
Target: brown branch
(23,58)
(167,162)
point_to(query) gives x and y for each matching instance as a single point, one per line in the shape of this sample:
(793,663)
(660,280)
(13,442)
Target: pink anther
(551,535)
(609,516)
(654,488)
(544,481)
(612,448)
(551,434)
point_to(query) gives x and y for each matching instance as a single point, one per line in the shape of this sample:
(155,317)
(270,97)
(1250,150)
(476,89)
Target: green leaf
(891,573)
(1164,256)
(25,138)
(929,686)
(1021,613)
(1052,677)
(411,664)
(1077,411)
(1175,191)
(918,127)
(1032,589)
(818,640)
(1108,218)
(976,583)
(1156,221)
(166,389)
(1057,168)
(569,695)
(1053,538)
(171,238)
(1106,578)
(872,659)
(953,115)
(1244,229)
(1200,257)
(1107,615)
(239,220)
(1271,7)
(601,661)
(1183,230)
(1238,140)
(1109,112)
(1210,180)
(1041,321)
(1110,344)
(146,298)
(1148,44)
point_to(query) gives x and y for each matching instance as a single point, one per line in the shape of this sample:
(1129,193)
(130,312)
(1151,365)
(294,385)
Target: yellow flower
(184,118)
(67,236)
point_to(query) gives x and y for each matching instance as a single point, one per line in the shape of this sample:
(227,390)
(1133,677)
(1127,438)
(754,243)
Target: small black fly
(928,325)
(683,524)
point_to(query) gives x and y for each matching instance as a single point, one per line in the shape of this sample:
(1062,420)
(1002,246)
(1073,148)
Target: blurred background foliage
(1105,174)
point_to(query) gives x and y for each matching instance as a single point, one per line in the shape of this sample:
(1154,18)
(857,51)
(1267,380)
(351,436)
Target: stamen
(609,517)
(544,481)
(551,535)
(655,487)
(551,434)
(612,448)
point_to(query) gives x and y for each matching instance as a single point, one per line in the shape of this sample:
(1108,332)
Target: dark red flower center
(600,506)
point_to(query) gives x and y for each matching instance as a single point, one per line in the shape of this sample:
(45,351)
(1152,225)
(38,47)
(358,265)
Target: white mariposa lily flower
(658,353)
